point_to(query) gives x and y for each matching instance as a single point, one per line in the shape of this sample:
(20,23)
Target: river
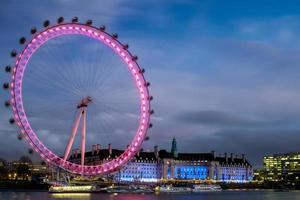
(228,195)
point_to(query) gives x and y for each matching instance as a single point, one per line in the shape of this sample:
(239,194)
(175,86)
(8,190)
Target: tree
(3,169)
(25,159)
(23,167)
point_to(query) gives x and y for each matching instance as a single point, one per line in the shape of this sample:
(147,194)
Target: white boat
(206,188)
(72,189)
(172,189)
(128,189)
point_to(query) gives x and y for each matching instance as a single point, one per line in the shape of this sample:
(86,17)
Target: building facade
(280,167)
(161,165)
(205,166)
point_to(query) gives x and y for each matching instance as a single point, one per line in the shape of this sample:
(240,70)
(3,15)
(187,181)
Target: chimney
(109,149)
(93,149)
(97,148)
(226,158)
(156,152)
(75,152)
(243,157)
(231,156)
(213,154)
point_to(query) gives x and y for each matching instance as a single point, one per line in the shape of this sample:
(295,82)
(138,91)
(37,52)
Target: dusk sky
(224,74)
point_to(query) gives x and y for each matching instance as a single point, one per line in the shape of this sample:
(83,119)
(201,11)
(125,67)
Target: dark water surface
(200,196)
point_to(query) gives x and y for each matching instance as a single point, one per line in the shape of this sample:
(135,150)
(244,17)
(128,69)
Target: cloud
(218,118)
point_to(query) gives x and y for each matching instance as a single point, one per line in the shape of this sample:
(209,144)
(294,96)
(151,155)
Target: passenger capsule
(5,86)
(13,53)
(60,20)
(46,23)
(33,30)
(22,40)
(11,120)
(74,19)
(7,103)
(8,69)
(102,28)
(125,46)
(89,22)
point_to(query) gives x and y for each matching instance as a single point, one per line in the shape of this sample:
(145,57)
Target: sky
(223,74)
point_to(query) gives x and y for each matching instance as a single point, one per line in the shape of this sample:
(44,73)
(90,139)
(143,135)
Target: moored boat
(73,189)
(128,189)
(172,189)
(206,188)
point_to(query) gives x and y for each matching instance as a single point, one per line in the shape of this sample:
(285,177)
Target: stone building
(163,165)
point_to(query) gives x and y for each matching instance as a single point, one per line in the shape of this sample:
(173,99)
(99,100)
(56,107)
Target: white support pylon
(83,133)
(73,134)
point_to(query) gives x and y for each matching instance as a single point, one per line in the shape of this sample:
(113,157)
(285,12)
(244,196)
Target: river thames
(228,195)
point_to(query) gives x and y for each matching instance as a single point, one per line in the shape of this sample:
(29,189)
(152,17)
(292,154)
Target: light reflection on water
(71,195)
(23,195)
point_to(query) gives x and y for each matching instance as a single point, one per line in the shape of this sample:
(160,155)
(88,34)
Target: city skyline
(223,75)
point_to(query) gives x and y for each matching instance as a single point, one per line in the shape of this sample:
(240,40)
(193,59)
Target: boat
(73,189)
(206,188)
(128,189)
(172,189)
(195,188)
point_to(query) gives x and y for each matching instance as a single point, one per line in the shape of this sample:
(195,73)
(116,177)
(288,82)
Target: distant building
(259,175)
(163,165)
(18,170)
(280,167)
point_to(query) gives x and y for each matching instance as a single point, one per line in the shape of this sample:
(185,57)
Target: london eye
(74,84)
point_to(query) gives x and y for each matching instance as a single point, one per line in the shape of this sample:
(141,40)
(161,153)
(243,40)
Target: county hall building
(162,165)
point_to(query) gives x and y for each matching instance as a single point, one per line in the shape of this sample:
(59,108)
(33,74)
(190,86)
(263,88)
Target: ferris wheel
(72,89)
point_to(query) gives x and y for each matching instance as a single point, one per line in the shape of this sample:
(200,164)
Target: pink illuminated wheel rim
(20,116)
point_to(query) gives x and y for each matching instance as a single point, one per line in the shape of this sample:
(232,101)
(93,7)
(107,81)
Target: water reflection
(83,196)
(232,195)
